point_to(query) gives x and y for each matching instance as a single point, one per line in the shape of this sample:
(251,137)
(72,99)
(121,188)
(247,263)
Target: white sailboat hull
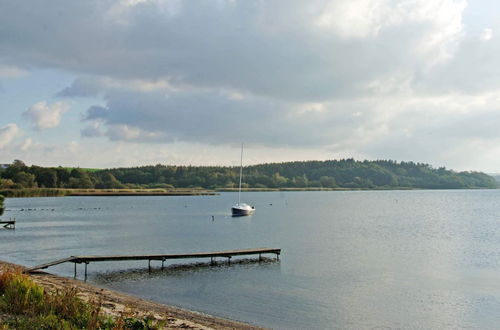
(242,209)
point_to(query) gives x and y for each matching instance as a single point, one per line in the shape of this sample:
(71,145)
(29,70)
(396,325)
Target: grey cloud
(266,48)
(216,118)
(91,131)
(82,88)
(96,112)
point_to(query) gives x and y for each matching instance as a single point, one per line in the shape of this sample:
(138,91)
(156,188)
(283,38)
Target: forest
(329,174)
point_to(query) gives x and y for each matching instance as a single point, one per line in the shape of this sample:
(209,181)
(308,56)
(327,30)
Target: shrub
(29,306)
(1,204)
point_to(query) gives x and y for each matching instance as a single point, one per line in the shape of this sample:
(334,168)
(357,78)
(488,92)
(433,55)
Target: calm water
(351,260)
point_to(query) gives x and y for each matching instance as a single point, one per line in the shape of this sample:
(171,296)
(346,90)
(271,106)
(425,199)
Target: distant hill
(330,174)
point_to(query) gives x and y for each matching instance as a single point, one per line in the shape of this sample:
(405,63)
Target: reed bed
(60,192)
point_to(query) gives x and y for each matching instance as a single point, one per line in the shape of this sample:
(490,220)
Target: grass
(26,305)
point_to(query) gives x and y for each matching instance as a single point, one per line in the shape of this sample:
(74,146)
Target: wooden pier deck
(160,257)
(11,224)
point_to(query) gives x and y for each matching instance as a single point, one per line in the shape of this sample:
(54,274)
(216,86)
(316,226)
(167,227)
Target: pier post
(86,263)
(260,257)
(162,263)
(228,260)
(75,269)
(149,265)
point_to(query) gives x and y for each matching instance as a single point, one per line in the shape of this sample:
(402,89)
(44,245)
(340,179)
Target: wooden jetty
(11,224)
(160,257)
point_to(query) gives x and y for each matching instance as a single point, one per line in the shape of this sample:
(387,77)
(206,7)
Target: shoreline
(115,303)
(63,192)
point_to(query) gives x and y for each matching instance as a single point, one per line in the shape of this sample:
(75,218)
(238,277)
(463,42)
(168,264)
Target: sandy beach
(116,304)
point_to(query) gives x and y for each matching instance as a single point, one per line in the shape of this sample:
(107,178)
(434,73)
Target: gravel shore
(116,303)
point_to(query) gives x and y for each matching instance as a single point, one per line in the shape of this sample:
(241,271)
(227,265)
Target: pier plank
(162,257)
(48,264)
(8,224)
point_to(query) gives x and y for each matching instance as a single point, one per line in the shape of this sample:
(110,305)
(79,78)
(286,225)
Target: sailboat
(241,209)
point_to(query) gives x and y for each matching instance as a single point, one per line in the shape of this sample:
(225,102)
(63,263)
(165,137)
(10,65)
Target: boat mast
(241,174)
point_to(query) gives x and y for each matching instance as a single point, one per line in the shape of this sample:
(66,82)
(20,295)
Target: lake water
(351,260)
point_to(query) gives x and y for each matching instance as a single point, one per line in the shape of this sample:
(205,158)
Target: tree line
(343,173)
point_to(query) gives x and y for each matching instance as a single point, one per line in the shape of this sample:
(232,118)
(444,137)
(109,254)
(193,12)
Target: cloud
(92,130)
(196,116)
(371,78)
(486,34)
(276,49)
(96,86)
(43,116)
(11,72)
(7,134)
(134,134)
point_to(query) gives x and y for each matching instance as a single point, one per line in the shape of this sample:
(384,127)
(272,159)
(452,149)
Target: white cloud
(11,72)
(7,134)
(133,134)
(308,108)
(27,144)
(486,34)
(44,116)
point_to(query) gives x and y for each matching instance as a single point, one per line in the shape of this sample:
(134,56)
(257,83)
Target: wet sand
(115,304)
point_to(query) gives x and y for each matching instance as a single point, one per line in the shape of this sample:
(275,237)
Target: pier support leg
(75,269)
(211,261)
(260,257)
(277,256)
(149,265)
(86,263)
(229,260)
(162,263)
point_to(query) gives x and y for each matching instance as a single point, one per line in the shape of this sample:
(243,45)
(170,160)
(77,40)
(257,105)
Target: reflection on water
(350,260)
(176,270)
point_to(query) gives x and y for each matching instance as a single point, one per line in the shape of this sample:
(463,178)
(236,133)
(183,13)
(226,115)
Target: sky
(103,83)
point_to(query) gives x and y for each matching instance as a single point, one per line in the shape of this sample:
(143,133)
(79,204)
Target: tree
(327,182)
(25,180)
(80,179)
(301,181)
(110,182)
(279,180)
(2,208)
(6,184)
(18,164)
(16,167)
(45,177)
